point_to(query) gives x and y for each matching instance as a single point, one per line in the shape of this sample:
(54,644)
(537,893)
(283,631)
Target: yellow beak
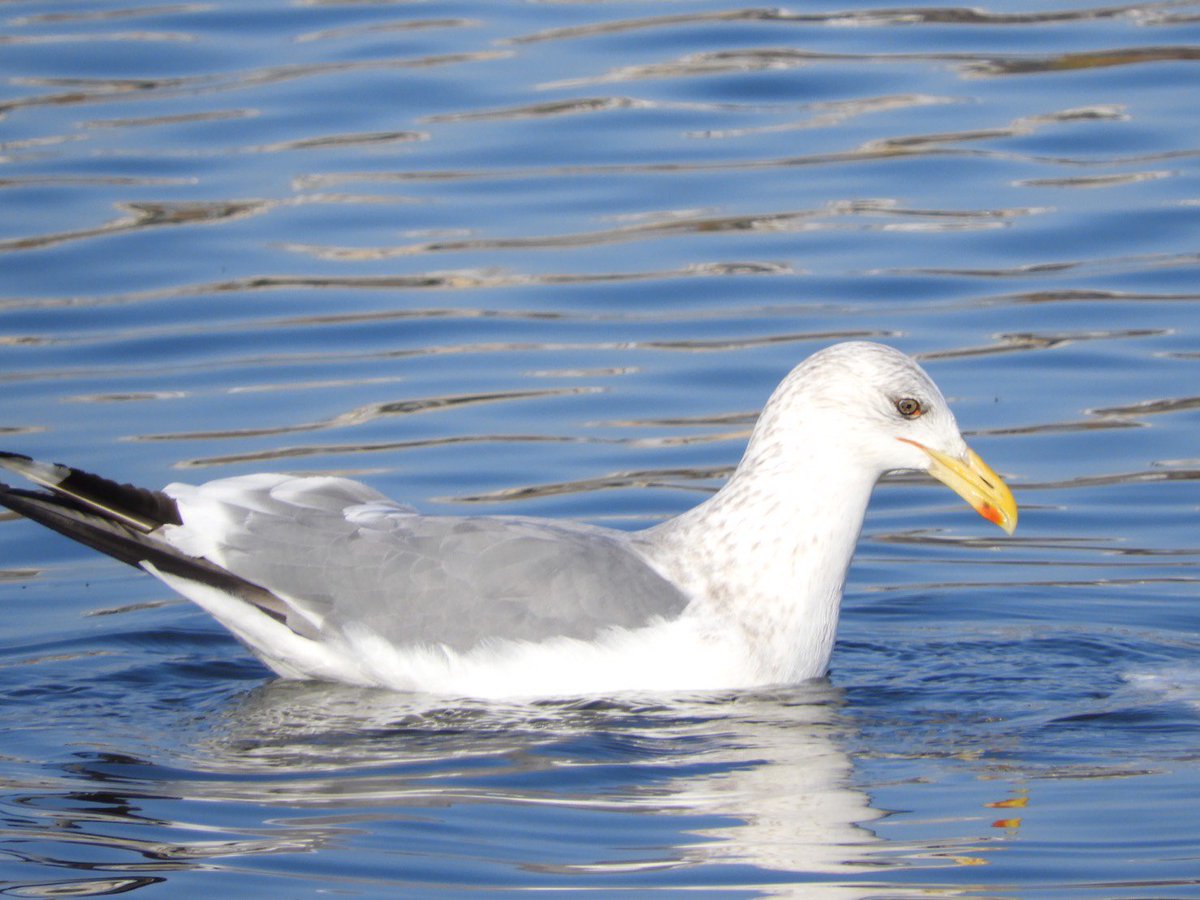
(974,481)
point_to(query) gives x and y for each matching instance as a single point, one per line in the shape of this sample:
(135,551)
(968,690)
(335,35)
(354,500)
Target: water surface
(550,259)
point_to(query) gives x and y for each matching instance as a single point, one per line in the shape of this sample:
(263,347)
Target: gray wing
(458,581)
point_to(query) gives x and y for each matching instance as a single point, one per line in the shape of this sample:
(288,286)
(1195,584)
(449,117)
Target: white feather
(743,590)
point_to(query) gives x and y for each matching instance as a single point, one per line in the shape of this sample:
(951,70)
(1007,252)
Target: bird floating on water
(324,578)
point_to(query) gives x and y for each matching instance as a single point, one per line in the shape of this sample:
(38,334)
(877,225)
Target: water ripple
(276,236)
(1142,13)
(145,215)
(673,223)
(370,413)
(107,90)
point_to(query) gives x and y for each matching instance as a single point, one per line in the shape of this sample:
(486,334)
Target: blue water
(550,258)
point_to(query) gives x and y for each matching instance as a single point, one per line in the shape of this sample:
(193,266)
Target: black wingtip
(152,509)
(116,538)
(134,506)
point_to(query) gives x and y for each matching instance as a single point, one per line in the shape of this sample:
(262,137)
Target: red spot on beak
(990,513)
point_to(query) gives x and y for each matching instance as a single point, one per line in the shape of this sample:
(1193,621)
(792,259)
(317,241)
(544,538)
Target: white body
(324,578)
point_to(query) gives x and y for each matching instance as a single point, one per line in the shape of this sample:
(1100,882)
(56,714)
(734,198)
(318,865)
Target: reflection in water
(366,138)
(374,411)
(863,214)
(1130,56)
(614,480)
(107,15)
(382,28)
(108,90)
(544,110)
(1097,181)
(1145,13)
(754,779)
(1022,127)
(1010,343)
(216,115)
(758,780)
(432,281)
(970,64)
(299,452)
(146,215)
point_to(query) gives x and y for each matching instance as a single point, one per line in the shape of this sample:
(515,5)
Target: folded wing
(324,555)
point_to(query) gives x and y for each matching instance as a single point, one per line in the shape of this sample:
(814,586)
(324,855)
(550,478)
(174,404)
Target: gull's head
(875,405)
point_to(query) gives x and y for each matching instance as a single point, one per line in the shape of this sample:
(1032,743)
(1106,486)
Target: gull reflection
(753,789)
(764,773)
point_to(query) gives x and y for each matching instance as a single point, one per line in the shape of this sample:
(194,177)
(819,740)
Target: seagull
(326,579)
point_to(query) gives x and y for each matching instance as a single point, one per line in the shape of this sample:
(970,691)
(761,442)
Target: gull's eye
(909,407)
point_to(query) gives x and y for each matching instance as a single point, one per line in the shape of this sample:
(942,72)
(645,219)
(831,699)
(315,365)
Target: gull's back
(340,554)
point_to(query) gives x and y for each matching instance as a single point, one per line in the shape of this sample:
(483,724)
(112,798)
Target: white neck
(765,558)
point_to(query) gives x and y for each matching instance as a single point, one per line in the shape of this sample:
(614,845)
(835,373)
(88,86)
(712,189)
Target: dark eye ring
(909,407)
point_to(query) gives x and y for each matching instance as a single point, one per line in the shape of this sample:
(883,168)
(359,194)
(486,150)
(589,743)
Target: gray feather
(459,581)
